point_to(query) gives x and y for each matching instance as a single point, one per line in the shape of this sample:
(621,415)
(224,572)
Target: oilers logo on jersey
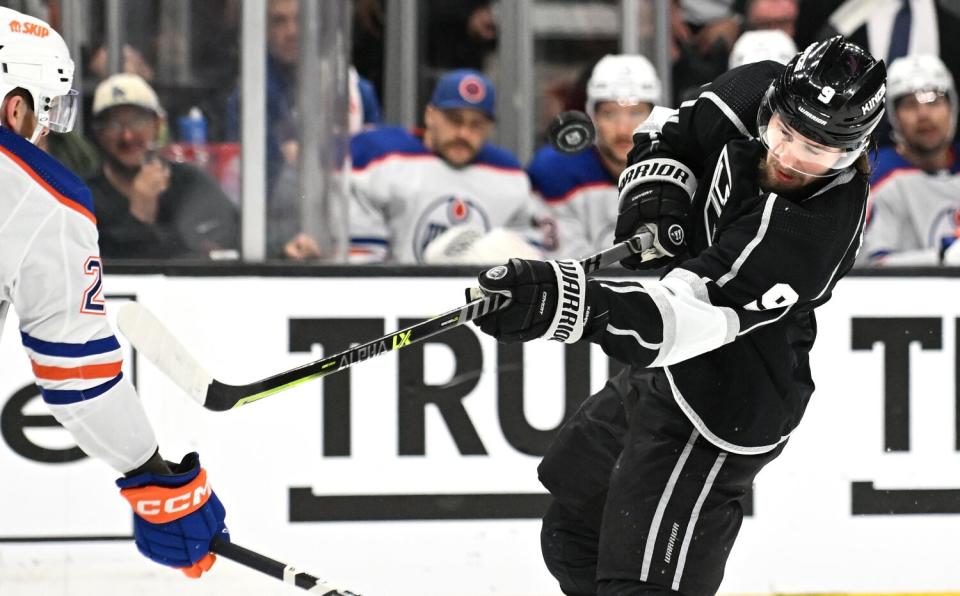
(945,227)
(444,213)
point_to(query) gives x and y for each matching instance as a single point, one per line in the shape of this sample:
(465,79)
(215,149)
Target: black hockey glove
(547,298)
(655,198)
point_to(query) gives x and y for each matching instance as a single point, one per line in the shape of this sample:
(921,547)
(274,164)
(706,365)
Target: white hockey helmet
(919,73)
(35,57)
(627,79)
(767,44)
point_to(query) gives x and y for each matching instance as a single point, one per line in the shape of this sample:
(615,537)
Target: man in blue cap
(410,188)
(459,118)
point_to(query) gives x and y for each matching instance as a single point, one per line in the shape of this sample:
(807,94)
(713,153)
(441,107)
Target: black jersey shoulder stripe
(856,234)
(727,111)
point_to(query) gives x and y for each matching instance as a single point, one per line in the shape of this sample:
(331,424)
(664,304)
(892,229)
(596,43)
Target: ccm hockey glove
(176,516)
(547,298)
(655,198)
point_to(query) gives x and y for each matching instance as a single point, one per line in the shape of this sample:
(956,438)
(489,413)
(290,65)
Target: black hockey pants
(643,503)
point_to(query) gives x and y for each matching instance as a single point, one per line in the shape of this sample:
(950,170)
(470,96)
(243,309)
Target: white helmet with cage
(34,57)
(922,75)
(627,79)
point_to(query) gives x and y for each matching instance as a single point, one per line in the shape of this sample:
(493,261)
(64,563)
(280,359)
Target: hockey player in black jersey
(754,196)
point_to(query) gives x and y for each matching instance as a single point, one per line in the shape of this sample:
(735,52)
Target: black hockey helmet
(832,93)
(817,116)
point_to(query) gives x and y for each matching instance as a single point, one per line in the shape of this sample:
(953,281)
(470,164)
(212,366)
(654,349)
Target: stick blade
(152,339)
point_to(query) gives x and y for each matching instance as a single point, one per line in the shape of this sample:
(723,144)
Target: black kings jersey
(732,325)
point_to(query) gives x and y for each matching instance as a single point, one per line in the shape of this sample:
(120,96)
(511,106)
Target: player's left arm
(76,358)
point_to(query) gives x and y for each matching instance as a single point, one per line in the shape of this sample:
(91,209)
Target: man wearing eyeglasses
(146,206)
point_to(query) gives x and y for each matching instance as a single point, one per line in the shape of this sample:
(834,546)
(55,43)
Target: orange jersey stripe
(91,371)
(39,180)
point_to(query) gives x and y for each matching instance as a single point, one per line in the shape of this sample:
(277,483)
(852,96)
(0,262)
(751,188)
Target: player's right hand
(658,209)
(176,516)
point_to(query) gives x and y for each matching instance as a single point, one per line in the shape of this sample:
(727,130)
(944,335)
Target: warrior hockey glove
(655,198)
(547,298)
(176,516)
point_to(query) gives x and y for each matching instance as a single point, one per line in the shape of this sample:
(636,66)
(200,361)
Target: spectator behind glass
(444,194)
(581,190)
(772,15)
(914,217)
(460,34)
(145,206)
(283,57)
(703,33)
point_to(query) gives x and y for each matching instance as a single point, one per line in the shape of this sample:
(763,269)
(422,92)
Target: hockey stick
(149,336)
(276,569)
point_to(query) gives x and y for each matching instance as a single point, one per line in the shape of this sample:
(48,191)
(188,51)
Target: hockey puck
(571,132)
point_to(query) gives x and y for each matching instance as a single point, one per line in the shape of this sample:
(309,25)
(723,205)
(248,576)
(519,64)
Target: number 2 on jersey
(92,302)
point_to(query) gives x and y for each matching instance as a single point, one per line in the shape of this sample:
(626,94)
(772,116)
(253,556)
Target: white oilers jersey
(581,196)
(404,196)
(913,217)
(51,273)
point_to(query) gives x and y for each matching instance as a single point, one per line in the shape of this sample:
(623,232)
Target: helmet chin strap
(38,131)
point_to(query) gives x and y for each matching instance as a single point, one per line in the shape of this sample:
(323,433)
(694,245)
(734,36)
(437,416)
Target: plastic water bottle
(193,133)
(193,127)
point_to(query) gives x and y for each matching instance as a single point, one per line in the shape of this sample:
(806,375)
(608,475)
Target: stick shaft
(154,341)
(221,396)
(274,568)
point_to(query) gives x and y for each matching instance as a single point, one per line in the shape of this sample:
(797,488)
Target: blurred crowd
(160,149)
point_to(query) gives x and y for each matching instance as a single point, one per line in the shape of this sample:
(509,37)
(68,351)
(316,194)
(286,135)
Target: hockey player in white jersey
(410,187)
(915,222)
(581,189)
(51,272)
(914,214)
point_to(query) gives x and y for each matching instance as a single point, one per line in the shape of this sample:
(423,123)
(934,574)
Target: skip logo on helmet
(29,28)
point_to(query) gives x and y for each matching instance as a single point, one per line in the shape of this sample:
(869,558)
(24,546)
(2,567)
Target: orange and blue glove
(176,516)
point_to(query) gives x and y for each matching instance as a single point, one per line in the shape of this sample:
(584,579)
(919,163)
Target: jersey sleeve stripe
(67,396)
(70,350)
(62,199)
(91,371)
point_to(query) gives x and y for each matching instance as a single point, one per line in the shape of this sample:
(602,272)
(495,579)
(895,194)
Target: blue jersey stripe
(367,240)
(52,348)
(66,396)
(49,169)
